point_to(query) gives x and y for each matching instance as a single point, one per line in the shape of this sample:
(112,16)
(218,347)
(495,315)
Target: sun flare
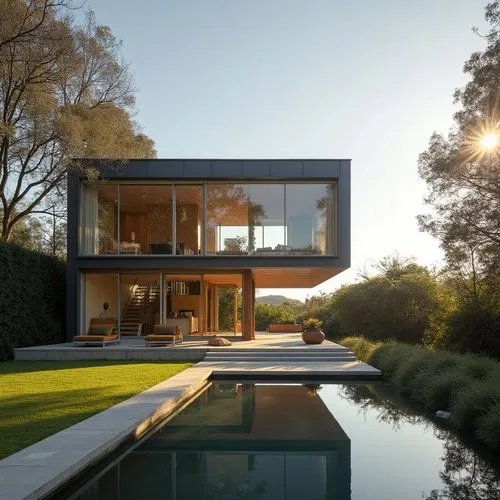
(489,141)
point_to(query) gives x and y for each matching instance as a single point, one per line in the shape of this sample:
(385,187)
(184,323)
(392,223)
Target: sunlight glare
(489,141)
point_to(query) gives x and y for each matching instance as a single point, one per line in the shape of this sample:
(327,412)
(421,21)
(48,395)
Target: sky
(369,80)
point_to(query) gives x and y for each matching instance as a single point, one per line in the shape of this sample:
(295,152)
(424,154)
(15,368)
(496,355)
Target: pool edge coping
(47,464)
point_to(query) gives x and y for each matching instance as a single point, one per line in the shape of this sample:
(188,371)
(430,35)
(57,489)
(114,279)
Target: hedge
(465,385)
(32,299)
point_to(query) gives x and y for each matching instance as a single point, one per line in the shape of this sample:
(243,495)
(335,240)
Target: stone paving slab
(339,369)
(40,468)
(133,348)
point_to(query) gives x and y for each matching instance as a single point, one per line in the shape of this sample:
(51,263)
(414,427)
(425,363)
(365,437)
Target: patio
(193,348)
(269,355)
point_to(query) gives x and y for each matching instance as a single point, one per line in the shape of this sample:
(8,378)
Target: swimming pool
(249,441)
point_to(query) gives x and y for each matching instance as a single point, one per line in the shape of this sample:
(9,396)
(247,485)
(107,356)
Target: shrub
(362,347)
(388,356)
(440,390)
(475,329)
(488,427)
(440,380)
(267,314)
(409,305)
(32,299)
(469,405)
(480,369)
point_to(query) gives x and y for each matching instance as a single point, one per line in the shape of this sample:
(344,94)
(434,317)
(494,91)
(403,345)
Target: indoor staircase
(132,319)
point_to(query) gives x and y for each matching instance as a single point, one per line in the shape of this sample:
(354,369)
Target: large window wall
(140,219)
(136,301)
(239,219)
(271,219)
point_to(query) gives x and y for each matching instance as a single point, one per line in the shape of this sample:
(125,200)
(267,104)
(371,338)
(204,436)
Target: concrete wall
(100,288)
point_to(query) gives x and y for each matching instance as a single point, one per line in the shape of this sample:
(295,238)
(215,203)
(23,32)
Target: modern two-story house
(168,241)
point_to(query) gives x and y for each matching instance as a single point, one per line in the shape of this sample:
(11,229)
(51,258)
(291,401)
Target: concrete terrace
(269,355)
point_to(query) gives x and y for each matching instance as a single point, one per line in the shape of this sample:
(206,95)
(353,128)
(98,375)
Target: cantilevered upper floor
(212,213)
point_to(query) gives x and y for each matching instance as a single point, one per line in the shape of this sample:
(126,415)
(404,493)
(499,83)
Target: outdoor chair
(164,335)
(100,333)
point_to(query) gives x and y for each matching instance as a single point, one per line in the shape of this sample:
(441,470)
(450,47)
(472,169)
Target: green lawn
(40,398)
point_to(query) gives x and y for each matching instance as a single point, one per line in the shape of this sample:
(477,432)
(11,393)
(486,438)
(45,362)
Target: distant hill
(276,300)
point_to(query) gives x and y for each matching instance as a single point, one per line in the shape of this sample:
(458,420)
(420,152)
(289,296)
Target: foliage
(404,302)
(40,398)
(32,299)
(226,308)
(64,93)
(266,314)
(312,390)
(362,347)
(475,328)
(464,194)
(278,300)
(320,306)
(312,324)
(33,234)
(440,380)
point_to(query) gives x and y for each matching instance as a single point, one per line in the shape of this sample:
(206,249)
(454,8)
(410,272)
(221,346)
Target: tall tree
(64,93)
(462,172)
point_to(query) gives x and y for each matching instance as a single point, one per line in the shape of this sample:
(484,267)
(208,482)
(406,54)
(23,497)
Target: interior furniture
(127,247)
(100,332)
(160,248)
(164,335)
(111,246)
(187,325)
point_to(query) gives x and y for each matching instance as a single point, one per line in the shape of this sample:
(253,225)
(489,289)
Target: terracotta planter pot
(315,336)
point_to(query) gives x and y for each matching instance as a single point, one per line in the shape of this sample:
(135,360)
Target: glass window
(242,219)
(310,219)
(266,208)
(98,227)
(245,219)
(189,220)
(145,219)
(227,219)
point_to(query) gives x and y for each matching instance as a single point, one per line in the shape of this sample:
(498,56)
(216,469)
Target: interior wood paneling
(134,223)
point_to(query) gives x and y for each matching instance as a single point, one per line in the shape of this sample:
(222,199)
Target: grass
(467,386)
(40,398)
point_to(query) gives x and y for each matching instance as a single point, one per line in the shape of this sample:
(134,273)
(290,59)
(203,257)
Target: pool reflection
(238,441)
(469,471)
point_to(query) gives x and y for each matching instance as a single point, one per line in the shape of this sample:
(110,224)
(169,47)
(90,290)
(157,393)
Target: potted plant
(312,333)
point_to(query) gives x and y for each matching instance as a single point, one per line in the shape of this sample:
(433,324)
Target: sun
(489,141)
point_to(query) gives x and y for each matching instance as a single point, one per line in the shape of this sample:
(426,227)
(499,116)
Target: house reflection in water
(266,442)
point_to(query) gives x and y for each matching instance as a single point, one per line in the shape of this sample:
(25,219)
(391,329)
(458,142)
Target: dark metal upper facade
(248,170)
(269,270)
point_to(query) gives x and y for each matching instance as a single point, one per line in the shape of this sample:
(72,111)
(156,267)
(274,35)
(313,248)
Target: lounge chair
(163,335)
(100,333)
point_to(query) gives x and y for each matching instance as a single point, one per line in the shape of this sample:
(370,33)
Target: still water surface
(298,442)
